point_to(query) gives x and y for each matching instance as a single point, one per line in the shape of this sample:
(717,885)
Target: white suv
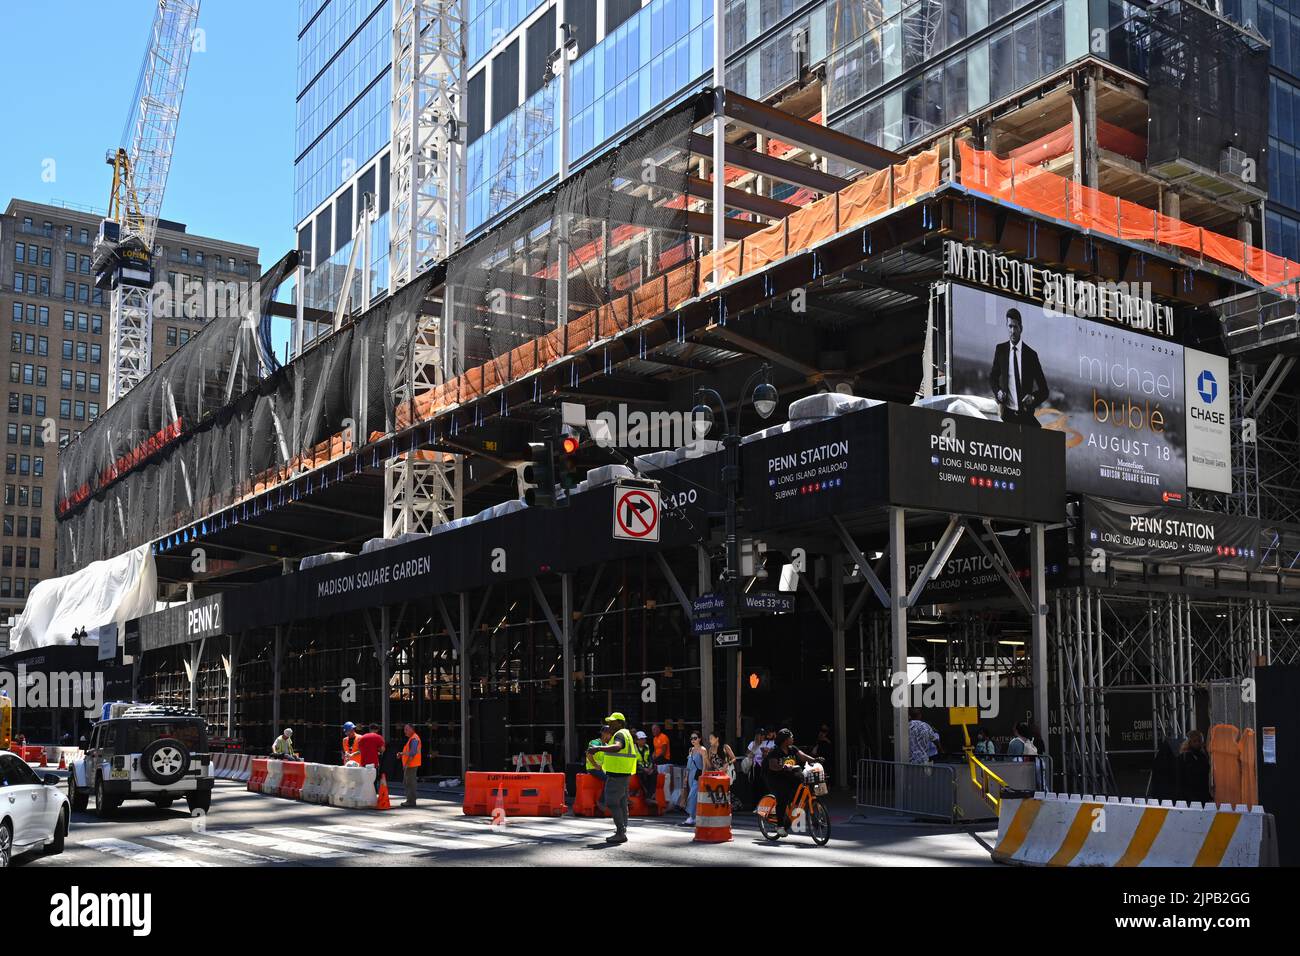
(148,753)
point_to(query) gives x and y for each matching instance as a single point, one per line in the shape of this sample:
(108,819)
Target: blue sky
(73,65)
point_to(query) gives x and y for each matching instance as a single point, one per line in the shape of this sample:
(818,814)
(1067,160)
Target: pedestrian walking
(695,762)
(755,757)
(1022,744)
(984,745)
(412,756)
(1193,770)
(720,755)
(619,765)
(822,748)
(921,739)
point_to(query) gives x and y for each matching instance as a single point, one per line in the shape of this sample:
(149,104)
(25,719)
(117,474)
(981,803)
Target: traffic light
(567,461)
(539,475)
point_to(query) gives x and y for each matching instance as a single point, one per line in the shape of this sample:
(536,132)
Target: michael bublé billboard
(1117,395)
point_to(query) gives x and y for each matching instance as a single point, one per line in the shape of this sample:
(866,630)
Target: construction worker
(595,765)
(410,755)
(283,746)
(646,771)
(619,765)
(371,747)
(351,752)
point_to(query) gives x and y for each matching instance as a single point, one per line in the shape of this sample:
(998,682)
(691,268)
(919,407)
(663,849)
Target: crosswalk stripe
(338,839)
(252,838)
(549,830)
(208,848)
(449,841)
(137,853)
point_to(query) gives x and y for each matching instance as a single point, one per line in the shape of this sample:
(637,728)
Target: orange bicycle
(805,814)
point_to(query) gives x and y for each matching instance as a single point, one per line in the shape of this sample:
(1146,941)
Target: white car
(33,812)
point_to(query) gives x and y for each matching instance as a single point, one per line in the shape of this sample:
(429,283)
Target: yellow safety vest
(596,761)
(622,761)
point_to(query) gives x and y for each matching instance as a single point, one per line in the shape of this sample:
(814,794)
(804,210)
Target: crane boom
(141,163)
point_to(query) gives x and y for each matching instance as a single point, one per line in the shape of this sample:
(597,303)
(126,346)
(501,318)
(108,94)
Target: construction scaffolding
(1153,661)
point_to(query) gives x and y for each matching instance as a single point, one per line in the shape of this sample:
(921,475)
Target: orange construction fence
(519,794)
(1232,762)
(1023,183)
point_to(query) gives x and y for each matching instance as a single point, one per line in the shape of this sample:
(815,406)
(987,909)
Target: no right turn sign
(636,514)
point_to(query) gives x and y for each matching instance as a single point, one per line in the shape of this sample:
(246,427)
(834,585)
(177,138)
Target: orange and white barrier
(1051,829)
(528,763)
(352,787)
(713,808)
(274,775)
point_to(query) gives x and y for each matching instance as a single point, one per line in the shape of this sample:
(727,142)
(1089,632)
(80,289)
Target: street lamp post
(764,400)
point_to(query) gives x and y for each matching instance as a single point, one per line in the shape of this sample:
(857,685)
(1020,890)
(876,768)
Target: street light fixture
(765,400)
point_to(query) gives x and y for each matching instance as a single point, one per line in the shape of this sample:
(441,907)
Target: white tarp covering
(115,590)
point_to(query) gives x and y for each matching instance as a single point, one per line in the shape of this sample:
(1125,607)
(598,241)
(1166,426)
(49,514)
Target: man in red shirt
(370,746)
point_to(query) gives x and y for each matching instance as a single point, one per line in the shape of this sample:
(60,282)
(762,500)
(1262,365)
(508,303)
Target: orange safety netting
(1061,141)
(640,301)
(1026,185)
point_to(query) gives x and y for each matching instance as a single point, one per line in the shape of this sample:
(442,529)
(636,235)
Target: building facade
(58,355)
(342,138)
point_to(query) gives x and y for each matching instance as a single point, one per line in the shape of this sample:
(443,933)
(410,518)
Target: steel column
(839,669)
(898,619)
(1038,625)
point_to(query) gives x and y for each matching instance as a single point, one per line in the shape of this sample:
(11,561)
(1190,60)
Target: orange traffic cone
(63,763)
(499,811)
(382,803)
(44,763)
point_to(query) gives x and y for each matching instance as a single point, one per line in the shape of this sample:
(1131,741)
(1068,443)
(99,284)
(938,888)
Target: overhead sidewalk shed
(877,468)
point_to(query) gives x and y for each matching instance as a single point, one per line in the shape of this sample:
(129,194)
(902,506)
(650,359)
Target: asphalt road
(249,829)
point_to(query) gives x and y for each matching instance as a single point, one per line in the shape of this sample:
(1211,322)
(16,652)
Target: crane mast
(141,162)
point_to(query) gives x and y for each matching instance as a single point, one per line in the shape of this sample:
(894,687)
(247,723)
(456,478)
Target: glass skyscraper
(342,138)
(892,72)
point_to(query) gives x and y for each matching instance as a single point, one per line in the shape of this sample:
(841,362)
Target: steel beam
(818,139)
(898,620)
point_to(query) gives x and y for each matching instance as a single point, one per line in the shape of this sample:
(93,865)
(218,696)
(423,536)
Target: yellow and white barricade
(1051,829)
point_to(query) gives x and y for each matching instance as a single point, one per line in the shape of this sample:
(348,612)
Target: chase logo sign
(1207,386)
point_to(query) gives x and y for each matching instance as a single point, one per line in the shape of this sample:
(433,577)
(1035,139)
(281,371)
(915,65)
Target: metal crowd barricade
(919,789)
(943,792)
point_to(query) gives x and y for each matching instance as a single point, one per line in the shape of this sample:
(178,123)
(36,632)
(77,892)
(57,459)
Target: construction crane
(141,162)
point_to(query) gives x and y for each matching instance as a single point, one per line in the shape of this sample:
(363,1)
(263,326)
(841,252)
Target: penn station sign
(1126,304)
(916,458)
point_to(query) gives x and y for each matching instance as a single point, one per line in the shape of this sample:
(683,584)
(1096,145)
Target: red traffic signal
(570,444)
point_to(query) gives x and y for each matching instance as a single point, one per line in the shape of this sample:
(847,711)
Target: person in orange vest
(351,749)
(411,754)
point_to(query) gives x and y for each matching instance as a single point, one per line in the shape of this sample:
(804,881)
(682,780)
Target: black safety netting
(627,221)
(1207,89)
(624,217)
(276,424)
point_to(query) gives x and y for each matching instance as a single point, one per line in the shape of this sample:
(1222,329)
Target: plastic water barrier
(325,784)
(1051,829)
